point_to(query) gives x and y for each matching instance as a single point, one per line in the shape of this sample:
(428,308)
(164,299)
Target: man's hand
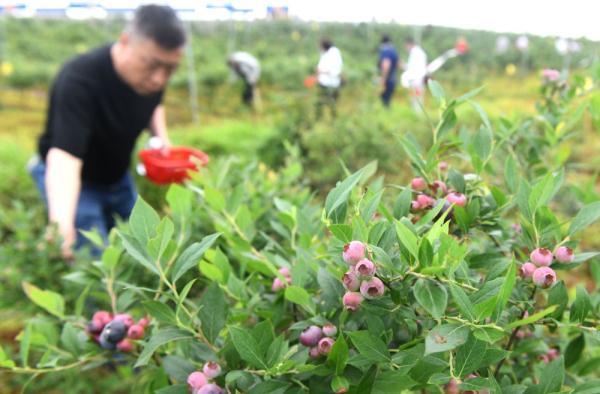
(158,128)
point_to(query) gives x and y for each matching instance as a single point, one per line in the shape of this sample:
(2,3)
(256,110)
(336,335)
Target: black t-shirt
(94,115)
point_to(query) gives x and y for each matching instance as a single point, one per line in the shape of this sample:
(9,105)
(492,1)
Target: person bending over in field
(246,67)
(415,76)
(100,102)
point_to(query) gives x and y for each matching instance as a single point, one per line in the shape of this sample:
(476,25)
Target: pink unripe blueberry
(526,270)
(372,288)
(353,252)
(125,318)
(564,254)
(553,354)
(211,370)
(325,345)
(285,271)
(102,317)
(144,322)
(352,300)
(311,336)
(457,199)
(443,166)
(544,358)
(209,388)
(439,186)
(418,183)
(541,257)
(365,268)
(544,277)
(329,330)
(125,346)
(415,205)
(451,387)
(314,352)
(196,380)
(277,285)
(351,281)
(425,201)
(136,331)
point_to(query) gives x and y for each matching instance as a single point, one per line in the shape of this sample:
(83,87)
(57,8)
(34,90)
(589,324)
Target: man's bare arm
(63,185)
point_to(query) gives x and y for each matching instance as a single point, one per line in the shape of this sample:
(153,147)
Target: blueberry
(114,331)
(105,344)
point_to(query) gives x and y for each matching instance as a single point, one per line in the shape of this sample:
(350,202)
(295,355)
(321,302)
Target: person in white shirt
(416,72)
(329,77)
(246,67)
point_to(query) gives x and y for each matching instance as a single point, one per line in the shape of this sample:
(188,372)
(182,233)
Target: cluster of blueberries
(116,332)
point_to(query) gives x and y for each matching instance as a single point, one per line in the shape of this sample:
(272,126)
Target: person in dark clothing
(100,102)
(388,66)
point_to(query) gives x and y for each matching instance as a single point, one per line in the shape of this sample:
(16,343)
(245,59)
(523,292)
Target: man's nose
(159,77)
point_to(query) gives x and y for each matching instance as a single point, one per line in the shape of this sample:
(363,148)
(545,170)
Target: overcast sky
(568,18)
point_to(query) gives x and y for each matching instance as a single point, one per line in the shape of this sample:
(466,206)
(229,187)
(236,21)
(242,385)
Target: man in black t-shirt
(99,104)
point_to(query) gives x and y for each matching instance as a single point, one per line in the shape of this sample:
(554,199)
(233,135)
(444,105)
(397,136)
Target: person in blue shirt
(388,66)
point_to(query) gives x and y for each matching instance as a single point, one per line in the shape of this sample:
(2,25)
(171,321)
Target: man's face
(148,66)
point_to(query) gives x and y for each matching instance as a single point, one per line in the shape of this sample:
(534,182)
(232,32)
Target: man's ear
(124,39)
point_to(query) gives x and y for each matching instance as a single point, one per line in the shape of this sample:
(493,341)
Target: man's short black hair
(326,44)
(385,39)
(159,23)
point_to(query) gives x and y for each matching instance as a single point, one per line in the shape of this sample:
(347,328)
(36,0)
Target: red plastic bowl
(174,167)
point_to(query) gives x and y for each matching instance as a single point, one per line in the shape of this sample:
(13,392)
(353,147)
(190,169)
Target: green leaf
(178,368)
(469,356)
(247,347)
(581,306)
(558,296)
(552,377)
(457,180)
(482,142)
(70,338)
(392,382)
(191,256)
(510,173)
(298,295)
(276,351)
(343,232)
(402,204)
(94,237)
(5,362)
(161,337)
(462,301)
(138,252)
(270,386)
(488,334)
(164,234)
(160,311)
(446,124)
(25,345)
(574,350)
(180,199)
(589,387)
(213,312)
(445,337)
(531,319)
(425,253)
(436,90)
(586,216)
(431,296)
(110,257)
(52,302)
(332,289)
(506,290)
(338,356)
(407,238)
(340,193)
(214,198)
(370,346)
(143,221)
(212,272)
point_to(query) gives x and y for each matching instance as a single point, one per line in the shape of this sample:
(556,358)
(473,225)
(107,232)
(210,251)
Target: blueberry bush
(458,280)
